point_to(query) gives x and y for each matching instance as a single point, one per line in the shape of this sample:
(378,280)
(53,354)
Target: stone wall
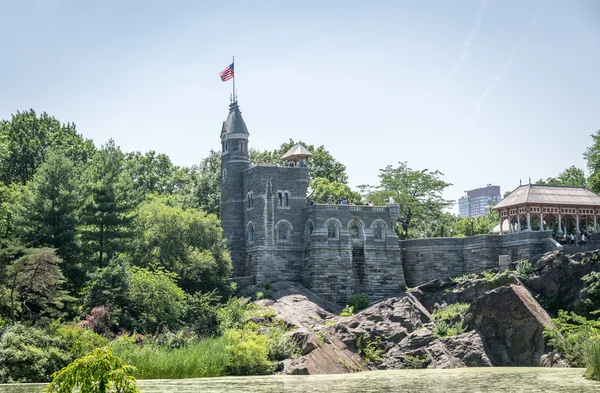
(338,267)
(427,259)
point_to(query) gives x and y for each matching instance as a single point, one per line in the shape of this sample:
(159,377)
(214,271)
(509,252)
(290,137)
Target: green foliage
(323,190)
(592,355)
(494,280)
(234,314)
(280,345)
(34,286)
(108,206)
(460,280)
(590,294)
(572,177)
(592,158)
(358,301)
(418,192)
(524,269)
(30,354)
(448,320)
(416,361)
(247,353)
(449,312)
(569,334)
(154,173)
(154,299)
(26,140)
(203,313)
(370,350)
(95,373)
(80,340)
(348,311)
(205,358)
(187,242)
(205,189)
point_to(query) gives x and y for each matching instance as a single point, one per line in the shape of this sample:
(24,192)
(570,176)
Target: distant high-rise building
(478,202)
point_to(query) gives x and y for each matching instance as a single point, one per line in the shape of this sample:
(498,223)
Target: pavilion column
(595,223)
(519,223)
(510,226)
(577,223)
(559,223)
(528,221)
(501,224)
(541,221)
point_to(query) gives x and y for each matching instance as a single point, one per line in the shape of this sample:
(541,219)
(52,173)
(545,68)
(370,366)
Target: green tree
(109,204)
(322,164)
(153,173)
(97,372)
(34,282)
(206,184)
(26,140)
(592,158)
(154,299)
(572,176)
(323,189)
(47,217)
(188,242)
(418,192)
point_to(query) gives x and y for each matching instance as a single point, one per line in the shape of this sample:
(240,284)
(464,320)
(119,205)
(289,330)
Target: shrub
(80,340)
(358,301)
(369,349)
(348,311)
(279,345)
(463,278)
(441,329)
(233,315)
(247,353)
(449,320)
(95,373)
(524,269)
(592,356)
(590,294)
(203,313)
(30,354)
(569,335)
(493,280)
(416,361)
(450,312)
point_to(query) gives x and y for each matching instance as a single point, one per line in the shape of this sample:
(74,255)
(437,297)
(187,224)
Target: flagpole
(233,63)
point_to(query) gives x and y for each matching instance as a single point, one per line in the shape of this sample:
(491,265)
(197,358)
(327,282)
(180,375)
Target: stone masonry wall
(427,259)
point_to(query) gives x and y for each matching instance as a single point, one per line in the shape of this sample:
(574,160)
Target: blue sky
(485,91)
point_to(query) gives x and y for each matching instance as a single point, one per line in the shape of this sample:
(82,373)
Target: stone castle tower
(274,234)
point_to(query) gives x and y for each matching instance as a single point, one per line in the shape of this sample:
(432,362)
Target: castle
(273,234)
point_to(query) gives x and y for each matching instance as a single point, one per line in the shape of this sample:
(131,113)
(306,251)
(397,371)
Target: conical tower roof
(296,153)
(234,124)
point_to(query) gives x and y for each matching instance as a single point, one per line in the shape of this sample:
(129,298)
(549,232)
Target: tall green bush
(247,353)
(358,301)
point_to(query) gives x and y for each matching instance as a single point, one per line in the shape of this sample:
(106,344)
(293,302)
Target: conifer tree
(109,204)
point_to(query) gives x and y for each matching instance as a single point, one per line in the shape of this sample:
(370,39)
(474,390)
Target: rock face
(297,310)
(511,323)
(557,277)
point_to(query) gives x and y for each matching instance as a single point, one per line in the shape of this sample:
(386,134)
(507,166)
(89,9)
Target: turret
(234,160)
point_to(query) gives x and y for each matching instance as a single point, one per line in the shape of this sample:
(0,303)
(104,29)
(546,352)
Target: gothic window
(354,231)
(283,199)
(378,232)
(250,232)
(286,200)
(332,230)
(283,232)
(250,197)
(280,196)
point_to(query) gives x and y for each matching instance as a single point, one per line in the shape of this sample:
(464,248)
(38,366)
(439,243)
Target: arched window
(286,199)
(250,232)
(332,230)
(354,231)
(283,199)
(378,232)
(283,232)
(280,196)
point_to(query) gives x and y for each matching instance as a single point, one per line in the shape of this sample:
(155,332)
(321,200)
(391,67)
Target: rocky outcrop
(298,311)
(557,278)
(511,323)
(469,348)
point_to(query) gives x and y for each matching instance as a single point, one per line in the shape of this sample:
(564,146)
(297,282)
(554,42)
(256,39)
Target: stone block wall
(427,259)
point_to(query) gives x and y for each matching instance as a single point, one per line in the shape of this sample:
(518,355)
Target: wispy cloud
(466,45)
(505,66)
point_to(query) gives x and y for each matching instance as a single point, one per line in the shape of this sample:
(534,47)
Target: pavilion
(544,207)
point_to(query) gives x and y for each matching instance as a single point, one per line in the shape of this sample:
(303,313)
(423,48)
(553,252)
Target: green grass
(592,356)
(205,358)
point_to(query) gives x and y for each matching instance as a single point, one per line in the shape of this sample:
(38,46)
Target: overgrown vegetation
(358,301)
(578,339)
(524,269)
(416,361)
(494,280)
(448,320)
(348,311)
(369,350)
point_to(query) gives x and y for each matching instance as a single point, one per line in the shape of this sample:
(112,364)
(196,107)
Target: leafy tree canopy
(323,190)
(26,139)
(418,192)
(592,158)
(572,176)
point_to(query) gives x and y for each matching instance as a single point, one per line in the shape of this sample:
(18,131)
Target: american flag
(227,73)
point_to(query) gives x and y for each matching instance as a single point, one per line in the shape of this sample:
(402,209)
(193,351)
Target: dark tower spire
(234,160)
